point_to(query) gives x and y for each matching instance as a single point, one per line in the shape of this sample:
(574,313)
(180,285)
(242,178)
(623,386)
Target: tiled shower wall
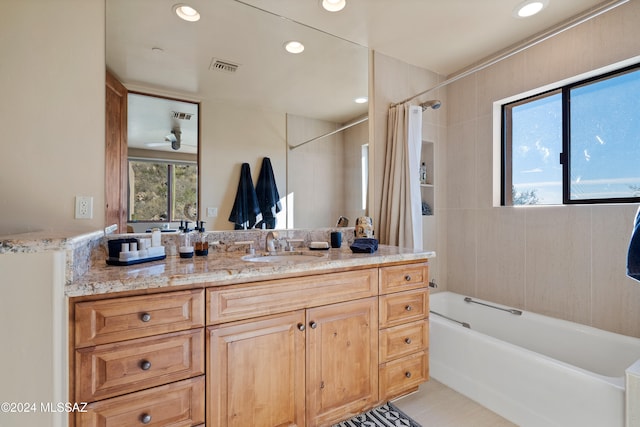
(565,261)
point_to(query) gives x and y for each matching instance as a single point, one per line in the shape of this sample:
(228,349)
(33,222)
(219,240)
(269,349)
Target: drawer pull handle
(313,325)
(407,374)
(407,340)
(301,326)
(145,365)
(407,278)
(145,317)
(408,308)
(145,418)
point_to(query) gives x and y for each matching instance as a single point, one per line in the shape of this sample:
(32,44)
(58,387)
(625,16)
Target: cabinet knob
(313,325)
(407,340)
(301,326)
(145,365)
(408,308)
(407,278)
(407,374)
(145,418)
(145,317)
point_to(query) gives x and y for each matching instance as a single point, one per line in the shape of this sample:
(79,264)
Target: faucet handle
(250,249)
(291,242)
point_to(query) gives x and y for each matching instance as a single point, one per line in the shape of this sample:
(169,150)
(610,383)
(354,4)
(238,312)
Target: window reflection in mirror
(162,191)
(162,140)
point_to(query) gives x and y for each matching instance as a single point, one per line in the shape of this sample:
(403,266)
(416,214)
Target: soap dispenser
(185,249)
(202,246)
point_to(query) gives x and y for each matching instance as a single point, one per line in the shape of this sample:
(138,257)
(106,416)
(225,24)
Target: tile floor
(436,405)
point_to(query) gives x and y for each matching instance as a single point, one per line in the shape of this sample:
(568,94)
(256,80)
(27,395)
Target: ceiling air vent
(181,116)
(226,66)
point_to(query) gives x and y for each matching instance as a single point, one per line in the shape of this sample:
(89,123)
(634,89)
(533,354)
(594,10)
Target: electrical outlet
(212,212)
(84,207)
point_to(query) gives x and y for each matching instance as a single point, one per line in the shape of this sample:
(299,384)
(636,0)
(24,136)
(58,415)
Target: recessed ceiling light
(294,46)
(361,100)
(529,8)
(186,12)
(334,5)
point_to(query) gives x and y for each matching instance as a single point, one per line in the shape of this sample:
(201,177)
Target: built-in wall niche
(428,195)
(427,186)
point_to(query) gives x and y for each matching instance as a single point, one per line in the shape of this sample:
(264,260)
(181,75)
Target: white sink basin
(286,257)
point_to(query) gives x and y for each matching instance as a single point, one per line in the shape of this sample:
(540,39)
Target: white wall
(354,138)
(231,136)
(566,261)
(52,78)
(316,173)
(325,175)
(394,81)
(33,315)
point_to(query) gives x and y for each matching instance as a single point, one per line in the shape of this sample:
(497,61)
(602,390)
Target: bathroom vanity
(221,341)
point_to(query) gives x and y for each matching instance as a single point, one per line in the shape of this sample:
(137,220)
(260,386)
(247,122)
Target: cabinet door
(342,360)
(255,372)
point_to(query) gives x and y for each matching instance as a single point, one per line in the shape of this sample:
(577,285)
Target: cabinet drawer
(403,340)
(403,375)
(403,277)
(279,296)
(177,404)
(112,369)
(119,319)
(403,307)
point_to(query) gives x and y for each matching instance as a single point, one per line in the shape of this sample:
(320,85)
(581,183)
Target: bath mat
(387,415)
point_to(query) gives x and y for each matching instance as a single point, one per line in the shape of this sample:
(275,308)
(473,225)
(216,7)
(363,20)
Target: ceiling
(444,36)
(148,46)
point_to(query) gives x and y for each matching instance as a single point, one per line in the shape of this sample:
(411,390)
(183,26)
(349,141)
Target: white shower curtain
(401,209)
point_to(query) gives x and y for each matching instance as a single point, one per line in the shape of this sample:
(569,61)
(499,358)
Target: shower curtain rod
(357,122)
(545,35)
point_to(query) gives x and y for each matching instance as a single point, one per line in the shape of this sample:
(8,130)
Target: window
(577,144)
(162,190)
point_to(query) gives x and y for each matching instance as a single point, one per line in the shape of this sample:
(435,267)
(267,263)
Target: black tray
(116,261)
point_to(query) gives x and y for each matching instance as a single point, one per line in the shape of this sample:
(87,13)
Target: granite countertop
(224,269)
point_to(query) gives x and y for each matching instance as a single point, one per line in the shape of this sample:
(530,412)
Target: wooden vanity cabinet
(301,351)
(404,329)
(342,360)
(139,360)
(256,373)
(312,366)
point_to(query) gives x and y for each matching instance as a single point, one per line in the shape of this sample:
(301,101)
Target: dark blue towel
(245,208)
(268,196)
(633,256)
(364,246)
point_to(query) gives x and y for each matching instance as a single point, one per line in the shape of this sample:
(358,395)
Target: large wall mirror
(255,101)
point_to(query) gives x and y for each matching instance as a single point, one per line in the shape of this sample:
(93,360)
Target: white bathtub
(531,369)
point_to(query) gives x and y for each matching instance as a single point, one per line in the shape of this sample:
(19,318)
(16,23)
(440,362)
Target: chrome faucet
(271,241)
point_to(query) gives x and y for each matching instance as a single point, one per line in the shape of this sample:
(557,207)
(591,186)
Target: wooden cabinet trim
(403,375)
(184,398)
(399,278)
(120,319)
(399,308)
(402,340)
(113,369)
(277,296)
(339,334)
(283,370)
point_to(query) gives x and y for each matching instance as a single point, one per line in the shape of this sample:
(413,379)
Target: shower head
(433,104)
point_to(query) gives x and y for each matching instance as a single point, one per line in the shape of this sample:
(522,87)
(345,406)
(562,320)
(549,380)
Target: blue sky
(605,135)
